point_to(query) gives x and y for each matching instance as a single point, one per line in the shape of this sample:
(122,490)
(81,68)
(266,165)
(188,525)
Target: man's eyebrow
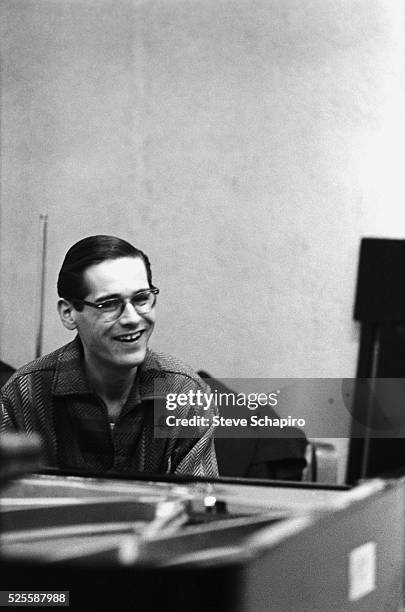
(114,296)
(107,296)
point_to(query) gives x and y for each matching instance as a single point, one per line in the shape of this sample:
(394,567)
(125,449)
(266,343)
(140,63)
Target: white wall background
(245,145)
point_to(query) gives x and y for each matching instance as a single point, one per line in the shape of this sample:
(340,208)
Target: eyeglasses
(112,309)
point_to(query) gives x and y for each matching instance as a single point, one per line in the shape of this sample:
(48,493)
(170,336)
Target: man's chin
(131,360)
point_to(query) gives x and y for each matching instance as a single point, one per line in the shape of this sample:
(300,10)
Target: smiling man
(92,401)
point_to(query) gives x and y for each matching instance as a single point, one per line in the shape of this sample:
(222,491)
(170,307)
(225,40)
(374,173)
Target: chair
(322,462)
(278,458)
(5,372)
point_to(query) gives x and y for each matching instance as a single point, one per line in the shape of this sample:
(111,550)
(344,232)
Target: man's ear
(67,314)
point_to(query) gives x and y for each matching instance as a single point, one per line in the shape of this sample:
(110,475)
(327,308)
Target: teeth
(129,337)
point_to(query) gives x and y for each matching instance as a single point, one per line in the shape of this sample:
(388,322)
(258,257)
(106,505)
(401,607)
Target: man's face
(121,343)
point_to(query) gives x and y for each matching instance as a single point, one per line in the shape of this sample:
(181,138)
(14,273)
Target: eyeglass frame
(124,301)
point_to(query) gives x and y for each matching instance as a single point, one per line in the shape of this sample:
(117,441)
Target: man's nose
(130,314)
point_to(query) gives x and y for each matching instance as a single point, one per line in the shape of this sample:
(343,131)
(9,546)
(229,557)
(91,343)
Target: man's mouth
(133,337)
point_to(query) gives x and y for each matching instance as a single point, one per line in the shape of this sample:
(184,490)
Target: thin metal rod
(40,332)
(370,406)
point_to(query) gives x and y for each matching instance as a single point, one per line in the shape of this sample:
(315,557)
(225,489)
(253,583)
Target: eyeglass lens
(142,303)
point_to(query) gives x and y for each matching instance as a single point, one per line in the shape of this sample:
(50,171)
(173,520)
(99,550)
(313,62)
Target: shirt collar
(70,378)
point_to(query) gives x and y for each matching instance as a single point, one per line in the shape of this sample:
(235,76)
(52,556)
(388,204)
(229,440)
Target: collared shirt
(51,396)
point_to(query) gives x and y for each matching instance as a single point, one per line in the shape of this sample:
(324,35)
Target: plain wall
(246,146)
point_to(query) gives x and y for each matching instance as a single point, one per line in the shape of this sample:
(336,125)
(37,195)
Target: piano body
(175,544)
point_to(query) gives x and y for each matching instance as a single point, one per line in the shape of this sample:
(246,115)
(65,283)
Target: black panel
(380,308)
(380,294)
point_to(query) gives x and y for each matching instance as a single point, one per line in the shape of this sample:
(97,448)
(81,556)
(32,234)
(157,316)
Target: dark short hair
(88,252)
